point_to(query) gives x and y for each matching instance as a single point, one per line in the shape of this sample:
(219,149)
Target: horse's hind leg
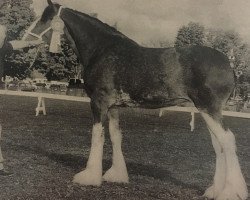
(220,171)
(118,171)
(92,175)
(234,187)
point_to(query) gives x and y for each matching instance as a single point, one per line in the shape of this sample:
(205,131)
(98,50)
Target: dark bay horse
(120,73)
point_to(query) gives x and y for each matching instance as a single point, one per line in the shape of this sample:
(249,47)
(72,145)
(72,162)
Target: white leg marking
(192,121)
(220,171)
(92,175)
(118,171)
(235,186)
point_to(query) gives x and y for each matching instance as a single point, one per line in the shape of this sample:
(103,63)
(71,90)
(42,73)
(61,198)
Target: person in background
(5,48)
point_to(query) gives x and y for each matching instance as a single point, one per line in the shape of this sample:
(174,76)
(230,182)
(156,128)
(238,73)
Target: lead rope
(35,57)
(27,33)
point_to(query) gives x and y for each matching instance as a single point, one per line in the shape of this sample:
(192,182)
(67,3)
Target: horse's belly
(150,100)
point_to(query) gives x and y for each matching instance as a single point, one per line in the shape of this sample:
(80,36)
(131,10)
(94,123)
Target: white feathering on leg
(235,187)
(118,171)
(220,171)
(92,175)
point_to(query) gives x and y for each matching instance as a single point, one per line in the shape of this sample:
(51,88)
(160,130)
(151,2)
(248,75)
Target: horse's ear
(50,2)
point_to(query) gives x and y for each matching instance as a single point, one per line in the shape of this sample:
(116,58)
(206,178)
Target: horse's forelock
(49,12)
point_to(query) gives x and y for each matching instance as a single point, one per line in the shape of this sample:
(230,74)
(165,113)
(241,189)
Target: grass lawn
(164,159)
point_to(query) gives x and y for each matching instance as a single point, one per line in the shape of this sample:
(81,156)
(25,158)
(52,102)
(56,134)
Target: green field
(164,159)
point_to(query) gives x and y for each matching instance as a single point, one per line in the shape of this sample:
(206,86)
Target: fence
(42,96)
(193,110)
(42,108)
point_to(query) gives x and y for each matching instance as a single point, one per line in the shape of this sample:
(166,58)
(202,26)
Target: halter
(29,32)
(33,25)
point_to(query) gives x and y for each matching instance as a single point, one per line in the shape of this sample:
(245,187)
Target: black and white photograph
(124,100)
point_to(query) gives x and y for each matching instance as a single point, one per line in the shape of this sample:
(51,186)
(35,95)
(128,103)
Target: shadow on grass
(79,162)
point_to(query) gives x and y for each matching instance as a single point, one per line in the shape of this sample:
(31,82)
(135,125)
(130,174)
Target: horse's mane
(101,25)
(96,22)
(48,12)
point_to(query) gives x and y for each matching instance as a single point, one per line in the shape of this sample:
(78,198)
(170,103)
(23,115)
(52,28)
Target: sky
(151,21)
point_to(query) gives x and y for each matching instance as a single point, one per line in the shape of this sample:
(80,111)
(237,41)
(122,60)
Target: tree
(229,42)
(17,15)
(192,34)
(58,66)
(18,63)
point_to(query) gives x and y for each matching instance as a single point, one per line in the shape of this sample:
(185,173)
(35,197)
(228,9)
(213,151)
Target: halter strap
(39,36)
(60,11)
(29,31)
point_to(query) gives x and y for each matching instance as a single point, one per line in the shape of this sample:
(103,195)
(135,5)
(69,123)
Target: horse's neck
(72,42)
(86,39)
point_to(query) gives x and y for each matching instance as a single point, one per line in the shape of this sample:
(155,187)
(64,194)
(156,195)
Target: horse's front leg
(92,175)
(118,171)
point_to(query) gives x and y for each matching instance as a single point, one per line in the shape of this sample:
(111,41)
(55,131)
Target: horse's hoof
(88,177)
(212,193)
(117,176)
(209,193)
(233,192)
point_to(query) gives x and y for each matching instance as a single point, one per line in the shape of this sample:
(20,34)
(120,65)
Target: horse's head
(42,27)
